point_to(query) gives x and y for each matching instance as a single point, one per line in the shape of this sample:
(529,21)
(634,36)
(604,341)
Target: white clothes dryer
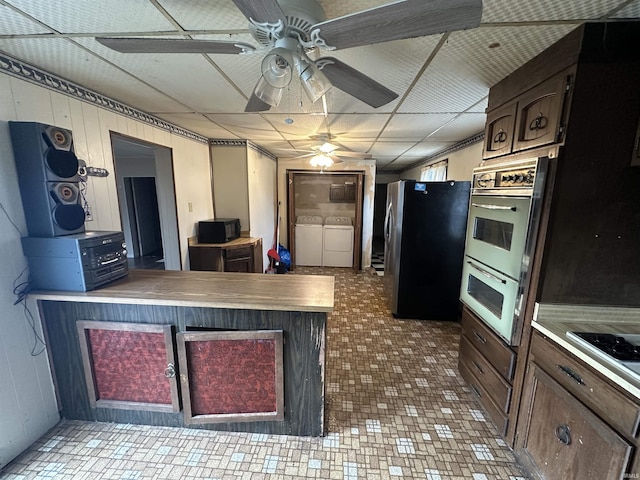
(308,231)
(338,242)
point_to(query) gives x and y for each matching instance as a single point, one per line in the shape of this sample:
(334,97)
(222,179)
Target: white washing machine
(338,242)
(309,240)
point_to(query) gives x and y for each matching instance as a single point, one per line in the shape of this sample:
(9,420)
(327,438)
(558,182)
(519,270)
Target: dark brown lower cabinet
(573,422)
(564,439)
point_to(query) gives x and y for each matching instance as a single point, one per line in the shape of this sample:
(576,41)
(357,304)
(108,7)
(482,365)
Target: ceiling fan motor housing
(300,15)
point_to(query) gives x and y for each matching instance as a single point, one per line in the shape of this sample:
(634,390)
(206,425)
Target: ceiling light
(321,160)
(315,83)
(276,75)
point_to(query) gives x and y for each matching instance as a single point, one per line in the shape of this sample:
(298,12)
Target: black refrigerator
(424,230)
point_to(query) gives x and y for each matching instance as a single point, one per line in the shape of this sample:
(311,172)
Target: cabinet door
(564,439)
(238,260)
(539,114)
(232,376)
(498,134)
(129,365)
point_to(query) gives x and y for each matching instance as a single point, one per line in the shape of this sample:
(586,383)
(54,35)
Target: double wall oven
(504,213)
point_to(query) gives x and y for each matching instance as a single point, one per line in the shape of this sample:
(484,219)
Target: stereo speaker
(48,179)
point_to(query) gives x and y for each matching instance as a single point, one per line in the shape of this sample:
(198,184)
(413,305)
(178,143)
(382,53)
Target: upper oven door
(497,232)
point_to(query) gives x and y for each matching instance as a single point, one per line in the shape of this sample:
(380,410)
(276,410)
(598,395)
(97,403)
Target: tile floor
(377,263)
(396,407)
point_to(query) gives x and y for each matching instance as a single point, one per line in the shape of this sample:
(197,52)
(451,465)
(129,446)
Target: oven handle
(494,207)
(487,274)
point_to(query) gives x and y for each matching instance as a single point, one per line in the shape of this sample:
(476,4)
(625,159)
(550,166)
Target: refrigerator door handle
(387,221)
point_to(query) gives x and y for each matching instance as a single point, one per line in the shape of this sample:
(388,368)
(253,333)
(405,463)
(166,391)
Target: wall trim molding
(242,143)
(24,71)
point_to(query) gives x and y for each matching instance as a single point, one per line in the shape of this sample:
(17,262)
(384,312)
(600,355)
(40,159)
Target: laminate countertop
(555,321)
(253,291)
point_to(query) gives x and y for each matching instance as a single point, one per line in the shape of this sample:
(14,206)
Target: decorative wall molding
(17,68)
(242,143)
(453,148)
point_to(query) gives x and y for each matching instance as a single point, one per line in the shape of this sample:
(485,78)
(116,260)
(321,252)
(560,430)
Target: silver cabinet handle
(495,207)
(170,371)
(487,274)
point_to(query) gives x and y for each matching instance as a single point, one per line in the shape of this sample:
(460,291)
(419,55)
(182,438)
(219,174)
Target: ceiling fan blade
(261,11)
(355,83)
(404,19)
(256,105)
(172,45)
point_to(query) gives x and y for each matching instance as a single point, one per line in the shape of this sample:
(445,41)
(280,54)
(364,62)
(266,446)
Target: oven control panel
(504,178)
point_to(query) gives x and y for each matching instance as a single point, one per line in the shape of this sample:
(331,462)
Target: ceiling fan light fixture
(314,82)
(276,68)
(321,160)
(268,93)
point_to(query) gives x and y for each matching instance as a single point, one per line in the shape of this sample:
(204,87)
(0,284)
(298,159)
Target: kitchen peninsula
(222,351)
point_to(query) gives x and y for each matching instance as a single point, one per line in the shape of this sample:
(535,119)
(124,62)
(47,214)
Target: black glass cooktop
(616,346)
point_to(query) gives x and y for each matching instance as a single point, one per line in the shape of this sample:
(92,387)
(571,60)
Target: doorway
(326,195)
(146,195)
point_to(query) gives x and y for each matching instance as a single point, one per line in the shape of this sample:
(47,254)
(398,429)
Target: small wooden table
(243,254)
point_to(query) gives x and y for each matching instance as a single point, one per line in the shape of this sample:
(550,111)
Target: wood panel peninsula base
(213,350)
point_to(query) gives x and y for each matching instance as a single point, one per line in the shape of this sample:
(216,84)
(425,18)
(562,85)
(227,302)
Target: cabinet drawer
(496,414)
(498,133)
(619,411)
(565,440)
(499,389)
(240,252)
(489,345)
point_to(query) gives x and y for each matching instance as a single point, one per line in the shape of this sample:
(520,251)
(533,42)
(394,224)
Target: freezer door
(392,242)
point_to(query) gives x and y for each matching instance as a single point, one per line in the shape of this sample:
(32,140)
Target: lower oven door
(491,295)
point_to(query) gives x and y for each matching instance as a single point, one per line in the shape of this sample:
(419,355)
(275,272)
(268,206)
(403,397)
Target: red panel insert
(129,366)
(232,376)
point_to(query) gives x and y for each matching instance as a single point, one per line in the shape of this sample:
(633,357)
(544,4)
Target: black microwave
(218,230)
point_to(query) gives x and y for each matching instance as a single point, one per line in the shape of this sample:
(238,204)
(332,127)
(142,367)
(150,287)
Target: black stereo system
(61,255)
(48,177)
(78,262)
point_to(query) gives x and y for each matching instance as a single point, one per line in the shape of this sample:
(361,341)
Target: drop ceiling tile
(391,148)
(206,15)
(425,149)
(463,71)
(14,23)
(198,123)
(90,16)
(463,126)
(414,126)
(355,126)
(251,127)
(67,60)
(546,10)
(302,128)
(630,11)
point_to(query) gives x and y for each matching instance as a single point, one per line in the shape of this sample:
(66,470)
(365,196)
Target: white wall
(262,172)
(27,402)
(369,168)
(461,164)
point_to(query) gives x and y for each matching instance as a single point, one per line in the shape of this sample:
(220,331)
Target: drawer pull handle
(500,137)
(563,434)
(478,367)
(479,337)
(571,374)
(476,391)
(539,122)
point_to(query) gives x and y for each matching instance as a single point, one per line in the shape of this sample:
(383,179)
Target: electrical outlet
(88,217)
(190,207)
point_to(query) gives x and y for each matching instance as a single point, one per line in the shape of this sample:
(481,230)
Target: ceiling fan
(292,29)
(325,153)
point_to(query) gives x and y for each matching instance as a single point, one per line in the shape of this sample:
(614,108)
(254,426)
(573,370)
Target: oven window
(493,232)
(485,295)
